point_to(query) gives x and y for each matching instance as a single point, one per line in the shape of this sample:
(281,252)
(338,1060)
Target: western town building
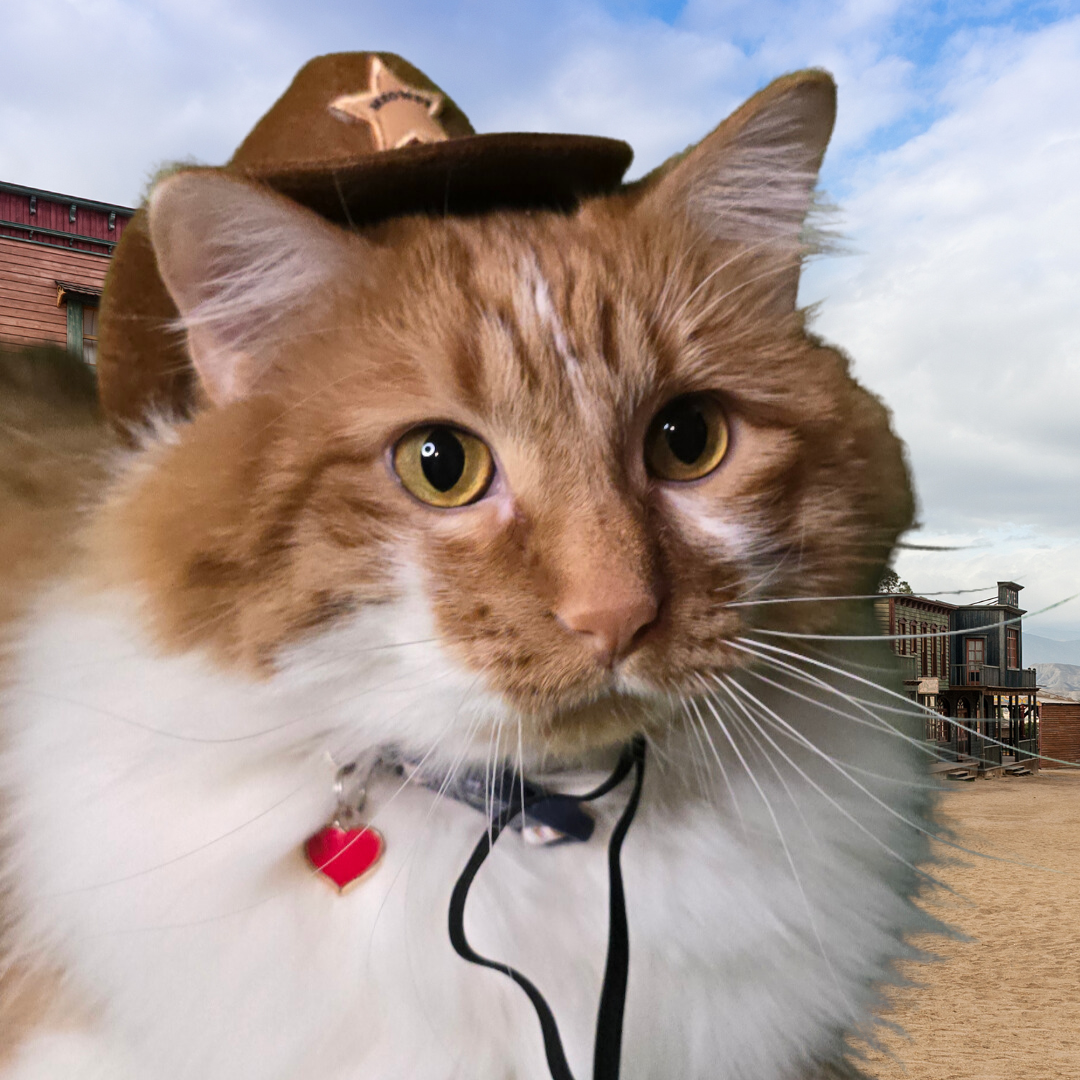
(1059,728)
(965,663)
(54,252)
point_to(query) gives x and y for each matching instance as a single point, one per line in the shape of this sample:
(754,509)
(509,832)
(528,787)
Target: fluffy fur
(258,599)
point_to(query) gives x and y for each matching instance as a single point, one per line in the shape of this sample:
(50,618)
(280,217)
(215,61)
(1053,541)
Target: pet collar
(346,850)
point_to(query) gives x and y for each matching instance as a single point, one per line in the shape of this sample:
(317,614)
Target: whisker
(749,731)
(913,707)
(899,637)
(150,729)
(910,709)
(783,843)
(858,824)
(449,778)
(874,721)
(862,596)
(723,771)
(701,773)
(489,772)
(795,734)
(187,854)
(521,769)
(496,779)
(879,727)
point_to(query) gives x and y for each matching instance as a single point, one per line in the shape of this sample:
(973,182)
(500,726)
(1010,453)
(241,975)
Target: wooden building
(54,251)
(964,662)
(1059,729)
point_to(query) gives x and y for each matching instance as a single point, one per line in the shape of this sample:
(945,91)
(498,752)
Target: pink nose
(610,626)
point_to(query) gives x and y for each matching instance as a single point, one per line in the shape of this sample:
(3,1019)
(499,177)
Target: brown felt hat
(357,137)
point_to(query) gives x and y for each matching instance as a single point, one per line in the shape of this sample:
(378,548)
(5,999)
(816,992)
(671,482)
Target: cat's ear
(751,181)
(238,260)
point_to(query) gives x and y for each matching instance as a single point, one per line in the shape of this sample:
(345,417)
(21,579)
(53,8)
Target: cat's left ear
(751,181)
(241,263)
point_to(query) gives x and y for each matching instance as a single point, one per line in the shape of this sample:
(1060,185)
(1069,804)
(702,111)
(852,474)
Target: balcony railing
(971,674)
(985,675)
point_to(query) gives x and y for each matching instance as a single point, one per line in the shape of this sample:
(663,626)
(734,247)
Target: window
(82,319)
(901,629)
(975,653)
(90,335)
(74,326)
(1012,647)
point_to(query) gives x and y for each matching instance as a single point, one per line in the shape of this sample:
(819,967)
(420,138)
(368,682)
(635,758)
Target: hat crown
(303,130)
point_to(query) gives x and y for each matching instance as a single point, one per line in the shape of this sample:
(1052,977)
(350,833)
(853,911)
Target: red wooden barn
(54,251)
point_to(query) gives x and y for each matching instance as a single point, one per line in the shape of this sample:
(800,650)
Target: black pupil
(686,431)
(442,457)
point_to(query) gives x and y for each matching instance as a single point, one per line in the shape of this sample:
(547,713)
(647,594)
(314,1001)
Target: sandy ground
(1006,1005)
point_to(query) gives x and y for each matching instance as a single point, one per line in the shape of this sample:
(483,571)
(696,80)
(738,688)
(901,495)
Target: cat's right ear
(238,260)
(751,181)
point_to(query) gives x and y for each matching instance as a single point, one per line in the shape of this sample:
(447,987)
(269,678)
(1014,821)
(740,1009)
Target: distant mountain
(1040,650)
(1060,679)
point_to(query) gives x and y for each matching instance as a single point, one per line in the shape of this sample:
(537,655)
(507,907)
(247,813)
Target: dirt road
(1006,1005)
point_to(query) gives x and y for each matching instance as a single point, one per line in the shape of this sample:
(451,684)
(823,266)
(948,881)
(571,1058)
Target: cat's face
(573,440)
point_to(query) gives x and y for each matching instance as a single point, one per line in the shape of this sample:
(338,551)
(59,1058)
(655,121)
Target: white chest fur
(158,813)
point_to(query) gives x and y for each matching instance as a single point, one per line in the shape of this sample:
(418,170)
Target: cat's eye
(443,466)
(687,438)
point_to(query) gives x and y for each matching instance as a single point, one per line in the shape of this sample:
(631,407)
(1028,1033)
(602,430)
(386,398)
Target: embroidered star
(399,114)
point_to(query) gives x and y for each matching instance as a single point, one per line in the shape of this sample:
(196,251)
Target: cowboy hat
(357,137)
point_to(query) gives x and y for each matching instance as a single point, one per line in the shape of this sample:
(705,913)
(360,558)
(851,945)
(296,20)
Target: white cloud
(1047,569)
(963,309)
(663,87)
(94,95)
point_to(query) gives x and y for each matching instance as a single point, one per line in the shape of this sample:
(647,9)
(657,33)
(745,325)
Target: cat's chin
(603,720)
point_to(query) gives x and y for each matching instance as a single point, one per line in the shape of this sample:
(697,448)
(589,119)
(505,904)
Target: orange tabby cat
(510,488)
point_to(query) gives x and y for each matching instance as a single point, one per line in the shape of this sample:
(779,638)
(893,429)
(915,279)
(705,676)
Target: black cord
(607,1051)
(609,1020)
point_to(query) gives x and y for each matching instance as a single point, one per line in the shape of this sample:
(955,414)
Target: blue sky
(956,163)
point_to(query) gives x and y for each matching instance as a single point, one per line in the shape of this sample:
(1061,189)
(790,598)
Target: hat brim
(467,175)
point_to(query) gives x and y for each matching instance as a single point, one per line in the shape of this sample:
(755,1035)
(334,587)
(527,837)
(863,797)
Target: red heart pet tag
(344,855)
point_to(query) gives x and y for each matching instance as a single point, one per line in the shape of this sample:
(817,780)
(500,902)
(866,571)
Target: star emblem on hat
(399,114)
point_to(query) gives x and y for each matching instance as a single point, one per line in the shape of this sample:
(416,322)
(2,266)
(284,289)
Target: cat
(507,489)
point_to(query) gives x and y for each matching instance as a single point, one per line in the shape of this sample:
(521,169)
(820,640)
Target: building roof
(55,196)
(909,597)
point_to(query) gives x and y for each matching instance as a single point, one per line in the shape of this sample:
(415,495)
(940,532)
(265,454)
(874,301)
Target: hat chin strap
(609,1021)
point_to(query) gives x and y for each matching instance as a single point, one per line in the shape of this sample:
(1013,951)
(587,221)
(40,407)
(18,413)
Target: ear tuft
(238,261)
(752,179)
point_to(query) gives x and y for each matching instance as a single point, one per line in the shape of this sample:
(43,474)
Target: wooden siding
(913,616)
(1059,730)
(28,276)
(55,213)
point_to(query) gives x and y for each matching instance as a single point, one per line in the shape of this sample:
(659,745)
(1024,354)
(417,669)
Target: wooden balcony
(985,675)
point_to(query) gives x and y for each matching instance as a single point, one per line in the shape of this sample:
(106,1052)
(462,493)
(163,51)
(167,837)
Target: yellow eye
(687,438)
(443,466)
